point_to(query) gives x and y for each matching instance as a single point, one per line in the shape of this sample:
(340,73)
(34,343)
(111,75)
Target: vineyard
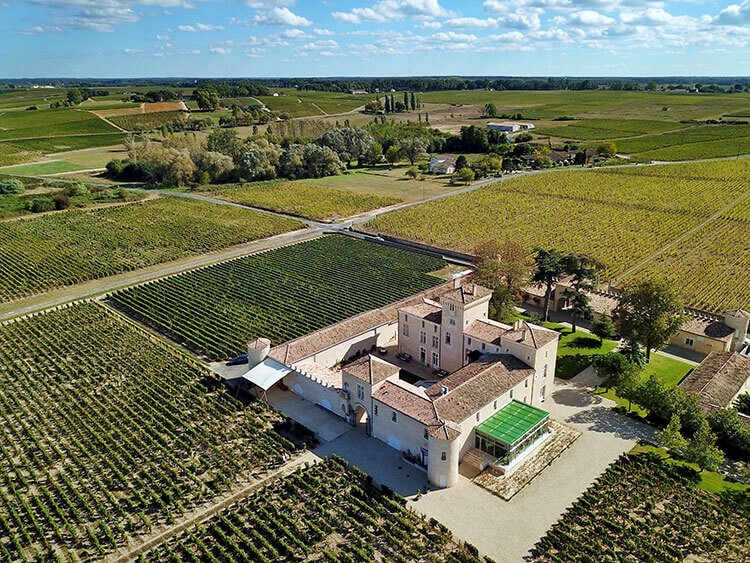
(281,294)
(326,512)
(67,248)
(107,432)
(714,263)
(621,216)
(138,121)
(46,123)
(306,200)
(644,509)
(67,143)
(588,129)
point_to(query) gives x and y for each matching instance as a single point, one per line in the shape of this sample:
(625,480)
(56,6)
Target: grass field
(280,294)
(643,508)
(62,144)
(322,513)
(621,216)
(576,350)
(291,105)
(307,200)
(108,432)
(607,128)
(150,120)
(40,168)
(49,123)
(63,249)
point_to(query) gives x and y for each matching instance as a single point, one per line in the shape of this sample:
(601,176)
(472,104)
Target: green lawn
(576,351)
(711,481)
(669,370)
(52,167)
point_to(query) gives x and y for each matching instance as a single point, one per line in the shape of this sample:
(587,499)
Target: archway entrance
(362,419)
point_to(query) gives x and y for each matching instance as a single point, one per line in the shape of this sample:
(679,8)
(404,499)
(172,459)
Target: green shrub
(62,201)
(11,186)
(41,204)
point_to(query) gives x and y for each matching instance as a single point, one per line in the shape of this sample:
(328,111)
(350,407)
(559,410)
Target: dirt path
(204,512)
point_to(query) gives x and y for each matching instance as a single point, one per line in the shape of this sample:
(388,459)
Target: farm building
(702,332)
(477,384)
(719,380)
(442,164)
(510,126)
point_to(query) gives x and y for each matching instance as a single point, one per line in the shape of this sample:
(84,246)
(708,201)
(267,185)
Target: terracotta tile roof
(718,378)
(371,370)
(258,343)
(476,384)
(488,331)
(603,303)
(467,293)
(406,399)
(305,346)
(425,309)
(716,330)
(531,335)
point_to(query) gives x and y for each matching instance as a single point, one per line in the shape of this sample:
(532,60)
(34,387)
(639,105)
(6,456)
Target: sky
(296,38)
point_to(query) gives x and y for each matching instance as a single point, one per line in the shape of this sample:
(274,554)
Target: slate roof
(718,378)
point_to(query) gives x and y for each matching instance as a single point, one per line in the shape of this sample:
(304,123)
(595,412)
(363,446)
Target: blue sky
(127,38)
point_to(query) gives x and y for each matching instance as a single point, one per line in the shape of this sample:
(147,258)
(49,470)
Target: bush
(41,204)
(78,189)
(11,186)
(61,202)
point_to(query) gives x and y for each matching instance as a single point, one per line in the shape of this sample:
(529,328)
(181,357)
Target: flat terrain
(324,512)
(61,249)
(108,432)
(624,217)
(313,201)
(280,294)
(646,509)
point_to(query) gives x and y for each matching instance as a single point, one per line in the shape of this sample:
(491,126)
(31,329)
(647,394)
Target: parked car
(238,360)
(404,357)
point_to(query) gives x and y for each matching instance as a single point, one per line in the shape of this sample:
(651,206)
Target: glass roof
(512,422)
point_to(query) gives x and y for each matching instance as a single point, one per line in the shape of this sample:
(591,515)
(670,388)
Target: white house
(442,164)
(510,126)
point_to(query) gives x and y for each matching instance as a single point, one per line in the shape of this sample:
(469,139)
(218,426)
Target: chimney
(456,282)
(523,335)
(257,350)
(517,324)
(474,288)
(443,390)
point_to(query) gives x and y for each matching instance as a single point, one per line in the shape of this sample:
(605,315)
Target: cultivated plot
(280,294)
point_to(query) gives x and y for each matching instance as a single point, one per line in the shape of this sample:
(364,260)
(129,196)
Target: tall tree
(393,104)
(413,102)
(387,105)
(611,367)
(702,449)
(406,100)
(550,267)
(671,438)
(414,148)
(603,328)
(505,268)
(584,270)
(652,309)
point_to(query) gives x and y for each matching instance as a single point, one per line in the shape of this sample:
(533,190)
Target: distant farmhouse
(478,384)
(510,126)
(563,157)
(442,164)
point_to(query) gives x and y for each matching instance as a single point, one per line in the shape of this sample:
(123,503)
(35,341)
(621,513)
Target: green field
(108,432)
(621,216)
(63,144)
(10,154)
(645,509)
(50,123)
(149,120)
(607,128)
(323,513)
(306,200)
(40,168)
(576,350)
(281,294)
(291,105)
(62,249)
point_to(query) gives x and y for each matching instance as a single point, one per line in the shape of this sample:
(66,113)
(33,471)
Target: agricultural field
(280,294)
(108,432)
(49,123)
(39,168)
(291,105)
(42,253)
(10,155)
(714,262)
(645,509)
(646,145)
(327,512)
(68,143)
(137,121)
(621,216)
(589,129)
(304,199)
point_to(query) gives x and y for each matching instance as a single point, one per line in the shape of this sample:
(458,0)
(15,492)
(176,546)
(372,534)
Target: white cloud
(131,51)
(472,22)
(514,36)
(162,38)
(280,16)
(323,44)
(199,27)
(590,18)
(295,34)
(734,14)
(651,16)
(453,36)
(324,32)
(36,30)
(389,10)
(219,50)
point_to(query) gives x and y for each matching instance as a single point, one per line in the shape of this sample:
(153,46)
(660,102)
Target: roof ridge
(723,365)
(531,331)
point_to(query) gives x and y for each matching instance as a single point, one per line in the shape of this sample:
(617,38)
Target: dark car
(404,357)
(238,360)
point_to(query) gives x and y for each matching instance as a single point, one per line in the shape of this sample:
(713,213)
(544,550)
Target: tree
(743,403)
(387,105)
(490,110)
(465,175)
(400,107)
(606,149)
(650,86)
(413,102)
(505,268)
(392,154)
(688,408)
(728,426)
(652,309)
(254,164)
(414,148)
(610,368)
(603,328)
(474,139)
(671,438)
(461,162)
(550,267)
(11,186)
(702,449)
(406,100)
(583,270)
(207,100)
(632,351)
(655,396)
(224,141)
(74,96)
(412,172)
(628,386)
(350,144)
(375,153)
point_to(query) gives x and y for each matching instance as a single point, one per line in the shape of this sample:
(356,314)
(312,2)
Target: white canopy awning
(266,373)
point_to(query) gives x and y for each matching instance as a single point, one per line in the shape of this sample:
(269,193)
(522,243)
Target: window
(483,346)
(406,318)
(443,456)
(406,330)
(435,342)
(546,353)
(422,324)
(468,341)
(452,307)
(528,358)
(544,373)
(360,392)
(394,417)
(452,322)
(434,328)
(422,336)
(526,383)
(447,337)
(375,410)
(477,417)
(701,339)
(507,350)
(426,435)
(689,341)
(435,360)
(494,405)
(346,386)
(422,355)
(511,393)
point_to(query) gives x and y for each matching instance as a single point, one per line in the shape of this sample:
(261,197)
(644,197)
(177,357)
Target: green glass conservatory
(511,430)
